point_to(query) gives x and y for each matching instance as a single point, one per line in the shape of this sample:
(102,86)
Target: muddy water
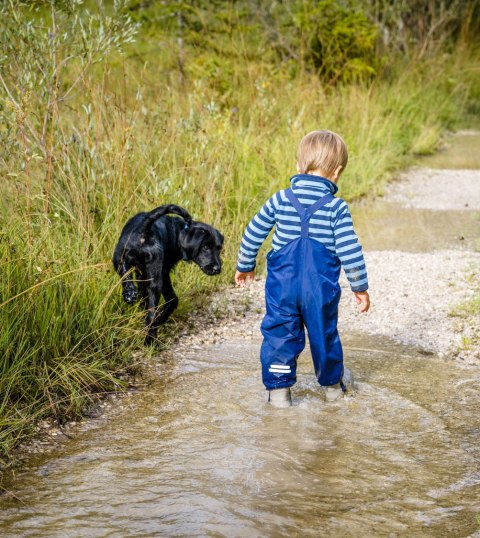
(201,455)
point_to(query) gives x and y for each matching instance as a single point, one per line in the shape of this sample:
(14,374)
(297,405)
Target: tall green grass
(133,138)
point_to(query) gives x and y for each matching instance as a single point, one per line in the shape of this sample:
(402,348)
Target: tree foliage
(340,40)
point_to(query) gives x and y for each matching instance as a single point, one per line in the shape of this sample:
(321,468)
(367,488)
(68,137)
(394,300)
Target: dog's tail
(159,212)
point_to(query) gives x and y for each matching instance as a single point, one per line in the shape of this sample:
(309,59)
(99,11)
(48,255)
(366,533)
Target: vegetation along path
(198,453)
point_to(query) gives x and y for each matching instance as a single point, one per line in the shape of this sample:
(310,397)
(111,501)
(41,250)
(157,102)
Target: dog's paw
(130,295)
(149,340)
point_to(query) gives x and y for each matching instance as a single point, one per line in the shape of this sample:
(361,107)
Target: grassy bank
(132,135)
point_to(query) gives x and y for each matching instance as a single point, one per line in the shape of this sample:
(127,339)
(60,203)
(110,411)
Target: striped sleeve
(255,234)
(348,249)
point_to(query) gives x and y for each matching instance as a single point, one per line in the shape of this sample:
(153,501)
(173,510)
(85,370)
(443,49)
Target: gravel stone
(429,188)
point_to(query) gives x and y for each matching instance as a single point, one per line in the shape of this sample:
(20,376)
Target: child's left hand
(363,300)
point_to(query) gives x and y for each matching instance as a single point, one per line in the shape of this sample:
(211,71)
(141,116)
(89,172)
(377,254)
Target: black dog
(151,244)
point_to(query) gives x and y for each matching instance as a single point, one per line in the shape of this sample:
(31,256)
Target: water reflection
(201,455)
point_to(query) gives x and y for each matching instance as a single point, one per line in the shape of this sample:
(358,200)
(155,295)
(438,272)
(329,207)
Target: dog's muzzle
(212,269)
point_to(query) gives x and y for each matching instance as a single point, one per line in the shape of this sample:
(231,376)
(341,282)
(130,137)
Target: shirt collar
(314,182)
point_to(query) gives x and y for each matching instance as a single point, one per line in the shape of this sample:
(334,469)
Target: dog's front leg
(126,273)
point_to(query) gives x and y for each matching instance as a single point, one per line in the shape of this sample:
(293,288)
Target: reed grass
(134,136)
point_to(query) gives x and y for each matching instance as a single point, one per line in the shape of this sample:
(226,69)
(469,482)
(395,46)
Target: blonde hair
(322,150)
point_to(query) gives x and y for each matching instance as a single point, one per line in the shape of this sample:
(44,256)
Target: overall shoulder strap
(320,203)
(305,214)
(295,202)
(311,209)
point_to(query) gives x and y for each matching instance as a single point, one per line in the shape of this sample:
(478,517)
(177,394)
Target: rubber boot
(280,397)
(333,392)
(348,380)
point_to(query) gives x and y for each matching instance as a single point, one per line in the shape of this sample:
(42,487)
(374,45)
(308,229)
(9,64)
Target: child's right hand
(241,278)
(363,300)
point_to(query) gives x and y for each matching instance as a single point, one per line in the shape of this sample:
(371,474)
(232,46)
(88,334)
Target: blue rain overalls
(301,290)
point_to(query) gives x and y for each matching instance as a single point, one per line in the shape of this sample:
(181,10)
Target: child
(313,236)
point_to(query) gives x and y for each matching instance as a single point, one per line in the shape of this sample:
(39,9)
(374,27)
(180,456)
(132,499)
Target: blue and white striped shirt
(331,225)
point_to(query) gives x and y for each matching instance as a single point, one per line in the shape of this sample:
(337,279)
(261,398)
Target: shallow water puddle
(200,454)
(386,226)
(383,225)
(461,151)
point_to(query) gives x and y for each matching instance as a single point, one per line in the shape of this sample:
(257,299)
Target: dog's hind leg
(156,317)
(151,320)
(152,288)
(171,300)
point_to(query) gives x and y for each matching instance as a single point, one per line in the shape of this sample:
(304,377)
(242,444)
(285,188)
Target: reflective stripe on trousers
(301,290)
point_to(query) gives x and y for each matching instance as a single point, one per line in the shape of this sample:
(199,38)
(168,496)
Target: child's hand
(363,300)
(241,278)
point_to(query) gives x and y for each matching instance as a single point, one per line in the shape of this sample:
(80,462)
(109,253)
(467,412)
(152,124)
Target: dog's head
(202,244)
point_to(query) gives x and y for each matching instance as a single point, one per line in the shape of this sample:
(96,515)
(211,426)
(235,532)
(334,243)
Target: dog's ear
(191,241)
(218,237)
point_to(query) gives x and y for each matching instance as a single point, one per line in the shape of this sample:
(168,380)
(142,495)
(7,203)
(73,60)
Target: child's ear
(337,172)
